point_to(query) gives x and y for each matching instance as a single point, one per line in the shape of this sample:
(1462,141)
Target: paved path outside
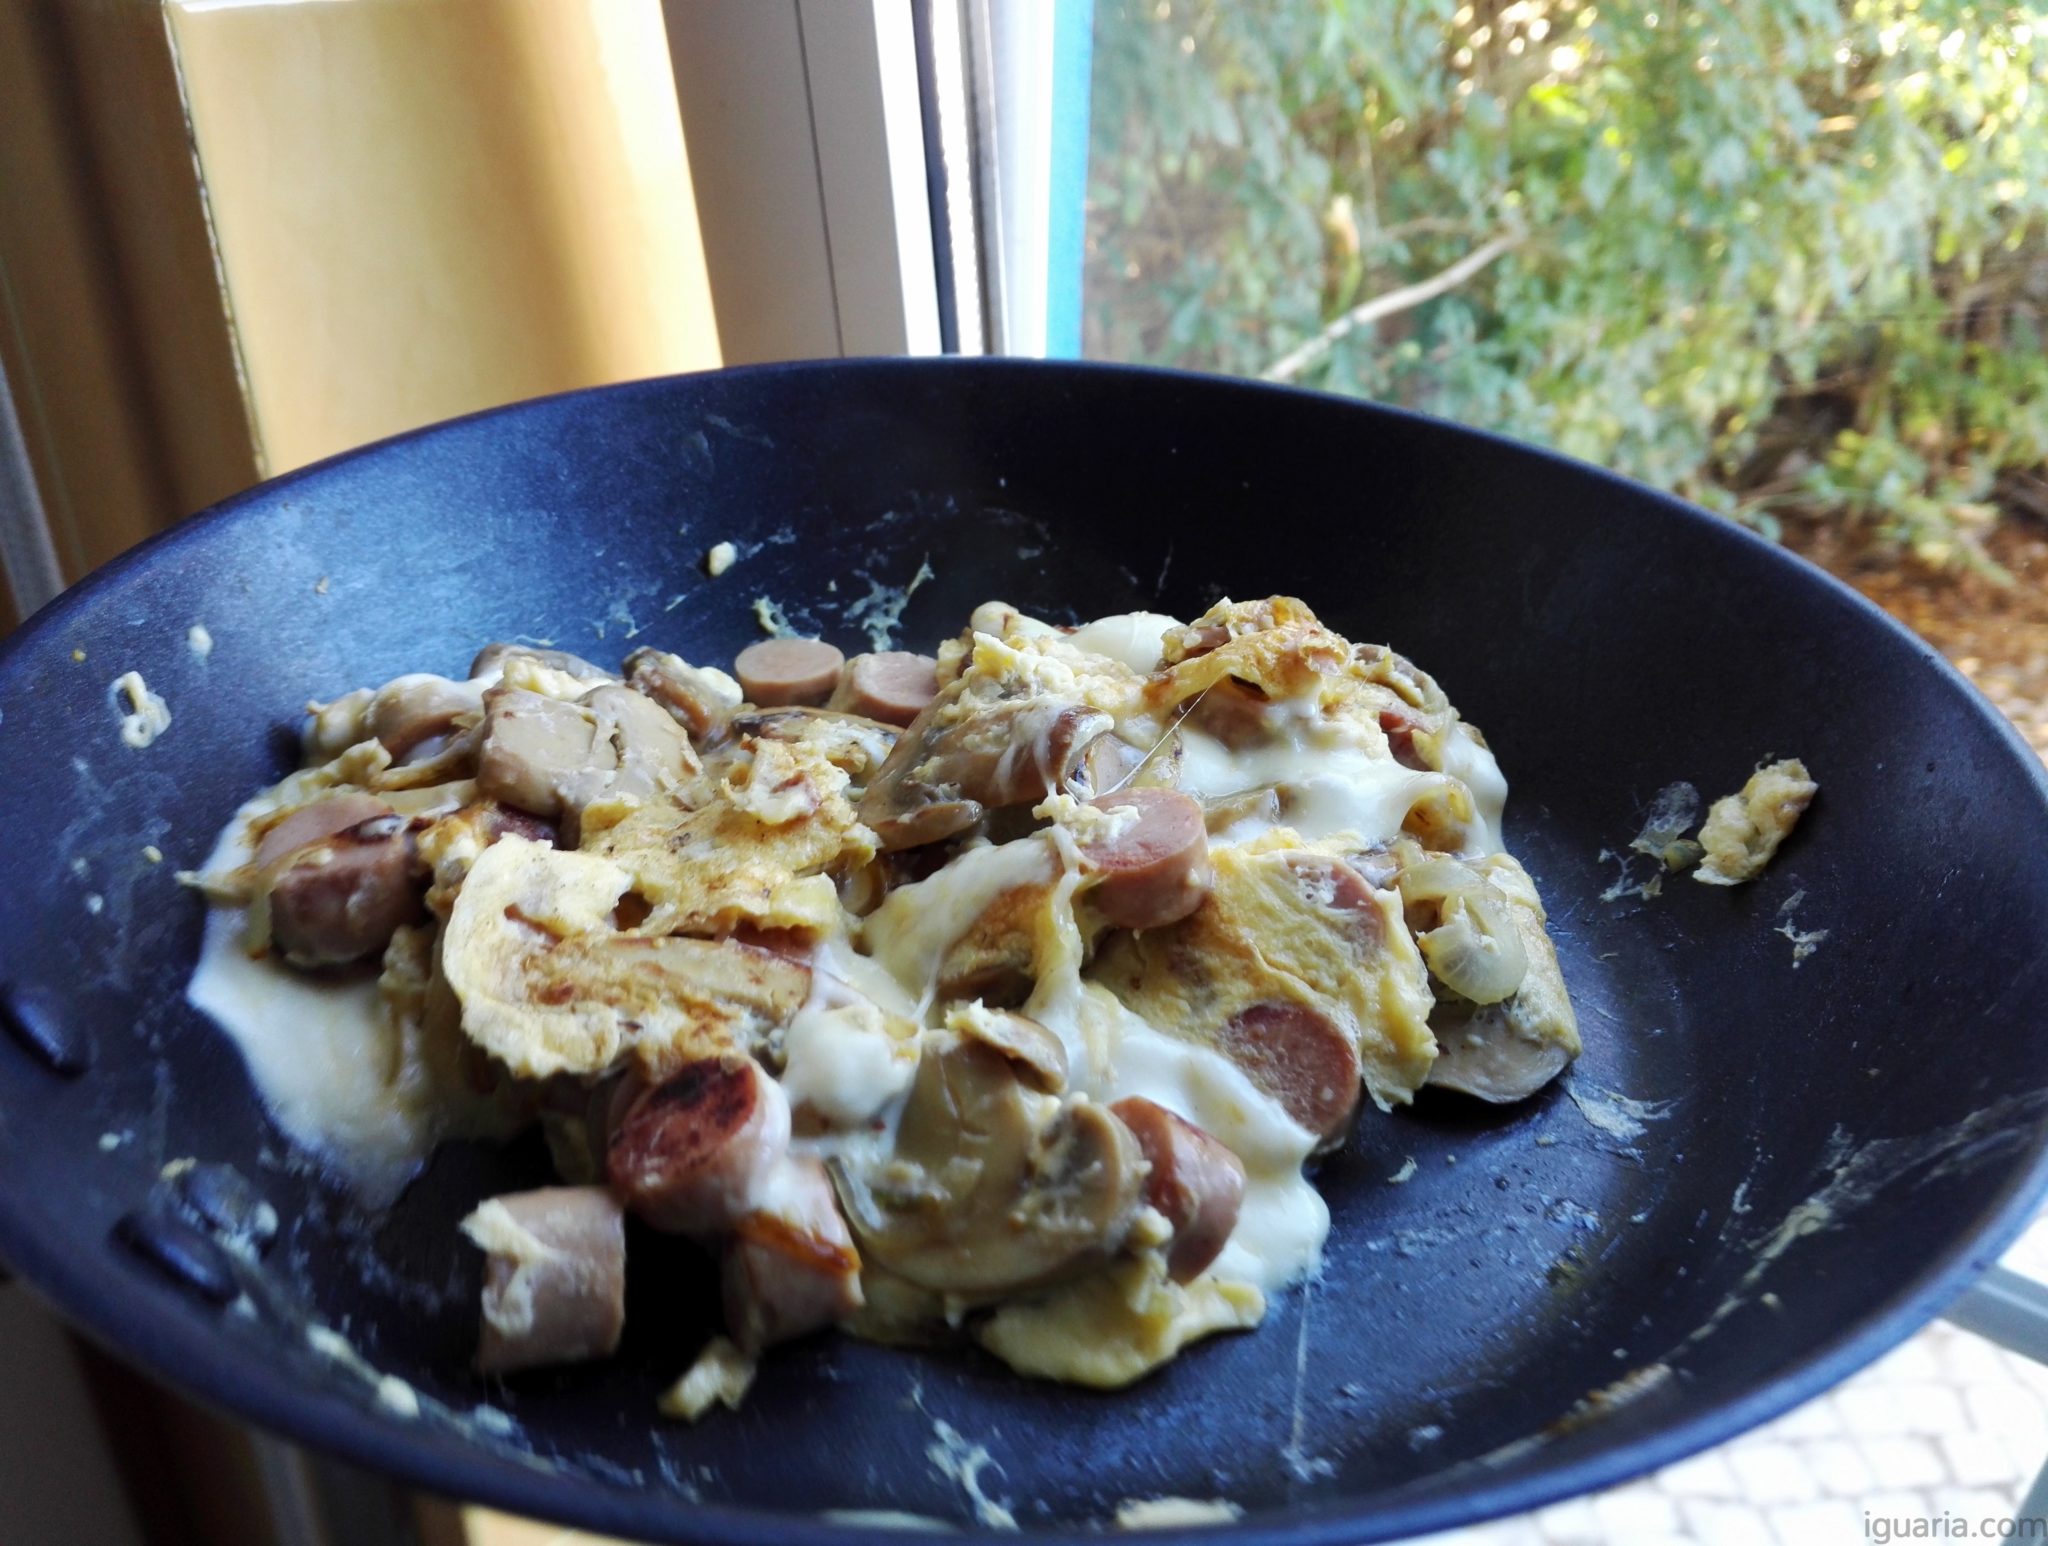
(1946,1428)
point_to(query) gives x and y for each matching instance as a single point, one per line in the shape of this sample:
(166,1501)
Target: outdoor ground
(1997,634)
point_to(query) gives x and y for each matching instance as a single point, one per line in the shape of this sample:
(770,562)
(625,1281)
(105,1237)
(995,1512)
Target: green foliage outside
(1771,254)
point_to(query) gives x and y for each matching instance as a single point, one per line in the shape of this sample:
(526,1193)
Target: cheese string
(1164,736)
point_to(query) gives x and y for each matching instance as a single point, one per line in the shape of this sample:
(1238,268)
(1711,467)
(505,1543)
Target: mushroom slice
(1039,1057)
(993,1187)
(1507,1051)
(554,1277)
(547,986)
(416,717)
(1008,728)
(651,755)
(533,746)
(790,1266)
(492,657)
(557,759)
(699,697)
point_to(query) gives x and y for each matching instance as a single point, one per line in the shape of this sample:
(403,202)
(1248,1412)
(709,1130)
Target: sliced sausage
(778,672)
(343,897)
(689,1154)
(314,821)
(554,1277)
(1155,870)
(790,1267)
(1300,1057)
(1337,887)
(1239,714)
(893,686)
(1195,1181)
(492,657)
(1400,728)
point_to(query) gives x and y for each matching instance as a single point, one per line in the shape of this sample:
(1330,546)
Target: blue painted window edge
(1073,46)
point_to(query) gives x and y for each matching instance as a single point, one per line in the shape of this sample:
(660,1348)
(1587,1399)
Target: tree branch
(1295,361)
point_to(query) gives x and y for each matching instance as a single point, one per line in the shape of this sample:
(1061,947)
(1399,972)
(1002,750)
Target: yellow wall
(110,315)
(427,208)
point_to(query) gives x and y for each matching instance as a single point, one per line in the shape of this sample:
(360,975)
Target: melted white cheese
(1474,766)
(843,1064)
(1284,1220)
(322,1057)
(1129,638)
(916,924)
(1331,783)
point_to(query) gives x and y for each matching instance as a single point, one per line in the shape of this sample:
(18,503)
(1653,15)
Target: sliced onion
(1437,879)
(1475,951)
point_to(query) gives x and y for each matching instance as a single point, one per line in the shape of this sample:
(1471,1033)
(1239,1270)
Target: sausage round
(776,673)
(1195,1181)
(893,686)
(342,896)
(1155,870)
(316,820)
(554,1277)
(688,1154)
(791,1268)
(1300,1057)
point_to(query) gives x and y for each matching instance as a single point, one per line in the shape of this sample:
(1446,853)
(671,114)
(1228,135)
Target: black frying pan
(1820,1157)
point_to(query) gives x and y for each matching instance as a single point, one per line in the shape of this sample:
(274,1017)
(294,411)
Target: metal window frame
(805,126)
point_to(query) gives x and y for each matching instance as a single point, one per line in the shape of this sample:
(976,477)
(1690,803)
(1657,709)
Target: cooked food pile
(1001,995)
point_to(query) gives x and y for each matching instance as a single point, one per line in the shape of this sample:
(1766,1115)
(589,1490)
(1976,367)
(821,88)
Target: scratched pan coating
(1760,1175)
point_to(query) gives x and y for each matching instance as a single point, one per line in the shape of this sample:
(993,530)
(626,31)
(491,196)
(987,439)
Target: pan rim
(170,1346)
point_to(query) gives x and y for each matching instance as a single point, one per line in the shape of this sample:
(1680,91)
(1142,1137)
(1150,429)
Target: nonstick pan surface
(1763,1172)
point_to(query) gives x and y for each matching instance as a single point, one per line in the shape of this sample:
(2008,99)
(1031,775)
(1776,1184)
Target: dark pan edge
(183,1353)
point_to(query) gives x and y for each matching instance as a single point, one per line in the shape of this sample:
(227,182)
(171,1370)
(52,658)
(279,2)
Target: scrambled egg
(1115,1327)
(755,854)
(548,986)
(1271,931)
(1743,830)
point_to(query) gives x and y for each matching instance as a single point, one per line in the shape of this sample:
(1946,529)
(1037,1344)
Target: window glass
(1782,256)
